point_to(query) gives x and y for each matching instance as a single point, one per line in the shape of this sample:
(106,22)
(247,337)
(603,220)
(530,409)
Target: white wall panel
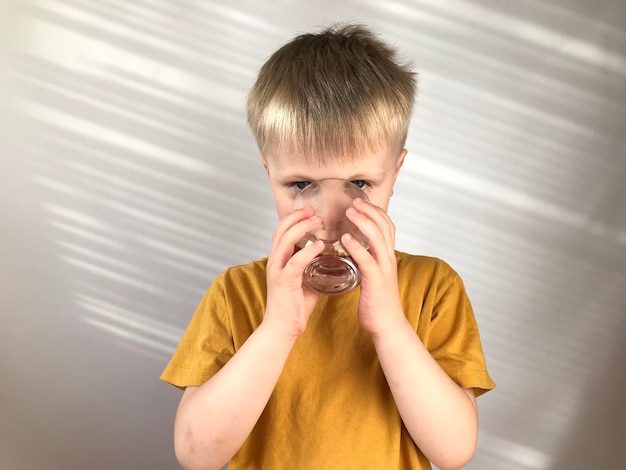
(129,181)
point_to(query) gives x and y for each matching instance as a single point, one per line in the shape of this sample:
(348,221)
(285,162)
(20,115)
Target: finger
(359,253)
(303,257)
(380,218)
(379,244)
(290,219)
(283,245)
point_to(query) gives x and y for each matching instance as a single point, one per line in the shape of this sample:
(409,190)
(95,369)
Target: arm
(440,416)
(214,420)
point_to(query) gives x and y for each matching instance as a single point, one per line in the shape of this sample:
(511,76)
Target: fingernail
(351,211)
(358,200)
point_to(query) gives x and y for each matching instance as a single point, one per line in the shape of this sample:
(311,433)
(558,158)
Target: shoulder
(244,272)
(425,266)
(244,281)
(426,276)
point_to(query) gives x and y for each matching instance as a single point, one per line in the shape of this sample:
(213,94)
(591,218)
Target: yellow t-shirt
(332,407)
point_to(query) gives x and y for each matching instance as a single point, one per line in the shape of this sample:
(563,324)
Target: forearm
(439,415)
(215,420)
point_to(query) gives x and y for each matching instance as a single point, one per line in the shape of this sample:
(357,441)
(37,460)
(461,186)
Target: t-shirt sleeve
(454,340)
(206,345)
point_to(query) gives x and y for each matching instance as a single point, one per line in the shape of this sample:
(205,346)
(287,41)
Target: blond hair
(333,94)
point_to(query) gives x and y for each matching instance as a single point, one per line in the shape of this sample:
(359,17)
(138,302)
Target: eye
(361,184)
(299,185)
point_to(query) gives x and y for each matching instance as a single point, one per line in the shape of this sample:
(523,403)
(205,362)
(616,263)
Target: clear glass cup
(333,271)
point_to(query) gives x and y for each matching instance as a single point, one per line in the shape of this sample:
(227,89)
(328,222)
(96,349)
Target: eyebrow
(293,177)
(375,175)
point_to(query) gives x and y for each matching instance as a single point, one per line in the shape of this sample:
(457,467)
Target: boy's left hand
(379,303)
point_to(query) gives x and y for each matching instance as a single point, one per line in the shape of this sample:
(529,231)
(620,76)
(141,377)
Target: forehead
(369,164)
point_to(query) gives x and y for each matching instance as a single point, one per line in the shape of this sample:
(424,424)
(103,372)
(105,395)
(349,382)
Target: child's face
(376,172)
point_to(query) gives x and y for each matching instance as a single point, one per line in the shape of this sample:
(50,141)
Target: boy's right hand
(289,303)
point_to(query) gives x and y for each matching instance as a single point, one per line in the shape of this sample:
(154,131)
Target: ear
(399,164)
(264,162)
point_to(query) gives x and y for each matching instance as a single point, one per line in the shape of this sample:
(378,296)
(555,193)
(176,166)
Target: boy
(277,376)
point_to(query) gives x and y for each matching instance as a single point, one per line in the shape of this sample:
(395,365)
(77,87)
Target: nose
(334,223)
(330,198)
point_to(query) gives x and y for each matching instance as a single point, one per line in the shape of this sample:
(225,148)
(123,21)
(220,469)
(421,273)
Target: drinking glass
(333,271)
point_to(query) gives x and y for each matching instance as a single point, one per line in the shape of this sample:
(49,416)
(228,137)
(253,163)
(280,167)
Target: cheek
(380,199)
(382,204)
(283,206)
(282,203)
(282,213)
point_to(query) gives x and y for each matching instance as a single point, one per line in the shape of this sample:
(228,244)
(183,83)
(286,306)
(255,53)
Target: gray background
(129,180)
